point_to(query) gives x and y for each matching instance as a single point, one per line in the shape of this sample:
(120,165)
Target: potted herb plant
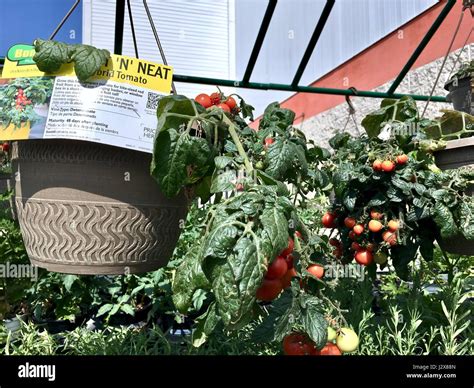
(461,88)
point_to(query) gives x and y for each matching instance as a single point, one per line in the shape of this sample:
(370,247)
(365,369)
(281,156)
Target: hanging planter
(457,154)
(457,129)
(461,89)
(88,208)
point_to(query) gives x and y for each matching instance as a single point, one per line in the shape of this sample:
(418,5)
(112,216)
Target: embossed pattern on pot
(78,214)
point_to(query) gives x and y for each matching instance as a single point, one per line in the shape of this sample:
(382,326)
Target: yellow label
(119,68)
(12,132)
(137,72)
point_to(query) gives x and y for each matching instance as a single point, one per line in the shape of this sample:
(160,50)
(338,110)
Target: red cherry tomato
(390,237)
(277,268)
(375,215)
(224,107)
(349,222)
(358,229)
(375,226)
(355,246)
(204,100)
(328,220)
(231,103)
(269,290)
(402,159)
(364,257)
(317,270)
(377,165)
(329,349)
(215,98)
(388,166)
(298,344)
(289,248)
(269,141)
(286,279)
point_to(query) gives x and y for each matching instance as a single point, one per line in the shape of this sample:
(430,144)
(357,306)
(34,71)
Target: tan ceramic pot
(88,208)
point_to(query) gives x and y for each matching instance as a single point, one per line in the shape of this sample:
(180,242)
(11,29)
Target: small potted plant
(461,88)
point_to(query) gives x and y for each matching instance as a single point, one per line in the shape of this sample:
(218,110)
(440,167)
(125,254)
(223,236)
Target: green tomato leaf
(189,278)
(466,218)
(50,56)
(283,314)
(313,320)
(445,220)
(127,309)
(205,325)
(224,181)
(68,281)
(275,226)
(87,60)
(284,156)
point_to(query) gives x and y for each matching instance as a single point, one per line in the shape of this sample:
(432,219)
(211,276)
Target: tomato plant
(19,97)
(246,254)
(401,208)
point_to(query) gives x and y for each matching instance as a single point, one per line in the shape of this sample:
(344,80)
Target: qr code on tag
(152,101)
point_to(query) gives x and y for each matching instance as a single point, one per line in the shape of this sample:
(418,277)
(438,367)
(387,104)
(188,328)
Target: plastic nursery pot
(88,208)
(460,94)
(457,154)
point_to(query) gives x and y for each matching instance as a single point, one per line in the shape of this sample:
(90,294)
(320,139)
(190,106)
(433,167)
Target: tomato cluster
(389,165)
(366,246)
(279,274)
(299,344)
(227,104)
(21,100)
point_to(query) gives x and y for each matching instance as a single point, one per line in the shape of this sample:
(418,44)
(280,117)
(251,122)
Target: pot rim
(459,143)
(451,80)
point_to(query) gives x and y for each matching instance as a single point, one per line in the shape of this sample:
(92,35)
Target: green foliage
(427,315)
(392,112)
(451,125)
(36,90)
(428,203)
(465,70)
(51,55)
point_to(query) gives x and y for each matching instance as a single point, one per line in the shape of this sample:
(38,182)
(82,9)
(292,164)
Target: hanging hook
(349,102)
(157,39)
(352,110)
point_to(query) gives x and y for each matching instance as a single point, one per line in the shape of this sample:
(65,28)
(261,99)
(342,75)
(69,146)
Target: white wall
(198,37)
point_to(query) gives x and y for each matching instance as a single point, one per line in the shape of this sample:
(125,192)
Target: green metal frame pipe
(313,41)
(439,20)
(300,89)
(259,40)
